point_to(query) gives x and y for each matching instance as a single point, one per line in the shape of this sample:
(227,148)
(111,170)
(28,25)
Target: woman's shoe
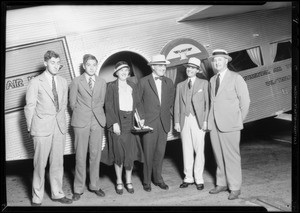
(130,190)
(119,191)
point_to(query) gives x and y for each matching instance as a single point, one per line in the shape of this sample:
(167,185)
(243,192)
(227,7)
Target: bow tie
(160,78)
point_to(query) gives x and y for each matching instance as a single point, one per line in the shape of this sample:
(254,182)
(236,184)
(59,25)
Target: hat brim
(192,65)
(115,72)
(225,56)
(159,62)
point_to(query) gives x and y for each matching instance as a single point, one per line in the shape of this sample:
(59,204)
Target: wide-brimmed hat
(158,59)
(220,52)
(120,65)
(193,62)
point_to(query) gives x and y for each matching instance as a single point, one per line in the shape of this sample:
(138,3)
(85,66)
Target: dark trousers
(154,146)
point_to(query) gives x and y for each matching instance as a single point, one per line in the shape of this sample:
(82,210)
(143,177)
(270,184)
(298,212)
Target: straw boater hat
(193,62)
(220,52)
(120,65)
(158,59)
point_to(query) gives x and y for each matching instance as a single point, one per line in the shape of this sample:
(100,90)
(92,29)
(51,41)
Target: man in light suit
(190,117)
(229,107)
(46,102)
(156,95)
(87,96)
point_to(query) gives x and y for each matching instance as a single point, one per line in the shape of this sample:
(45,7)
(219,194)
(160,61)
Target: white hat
(120,65)
(220,52)
(158,59)
(194,62)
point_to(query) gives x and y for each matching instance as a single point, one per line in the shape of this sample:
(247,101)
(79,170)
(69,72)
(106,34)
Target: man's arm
(73,94)
(31,100)
(243,95)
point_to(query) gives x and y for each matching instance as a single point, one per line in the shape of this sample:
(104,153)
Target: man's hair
(49,54)
(87,57)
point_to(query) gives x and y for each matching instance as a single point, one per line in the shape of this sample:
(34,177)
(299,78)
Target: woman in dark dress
(120,104)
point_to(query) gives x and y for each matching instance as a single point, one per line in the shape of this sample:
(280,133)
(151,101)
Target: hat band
(192,64)
(121,66)
(220,53)
(154,62)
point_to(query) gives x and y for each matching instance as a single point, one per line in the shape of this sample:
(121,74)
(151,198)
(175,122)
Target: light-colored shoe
(234,194)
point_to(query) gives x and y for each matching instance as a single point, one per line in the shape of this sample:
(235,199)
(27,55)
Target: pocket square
(200,90)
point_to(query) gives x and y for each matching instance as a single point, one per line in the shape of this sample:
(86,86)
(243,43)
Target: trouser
(51,146)
(89,137)
(192,138)
(226,148)
(154,146)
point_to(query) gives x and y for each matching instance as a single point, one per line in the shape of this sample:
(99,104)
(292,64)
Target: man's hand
(177,127)
(116,129)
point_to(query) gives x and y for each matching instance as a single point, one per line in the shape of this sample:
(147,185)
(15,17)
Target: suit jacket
(40,111)
(112,107)
(86,103)
(200,101)
(231,104)
(149,106)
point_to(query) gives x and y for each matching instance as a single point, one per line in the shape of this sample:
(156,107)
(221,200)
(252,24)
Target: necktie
(91,83)
(190,84)
(55,94)
(217,84)
(160,78)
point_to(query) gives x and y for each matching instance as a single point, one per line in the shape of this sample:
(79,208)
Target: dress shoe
(99,192)
(76,196)
(162,185)
(63,200)
(185,184)
(118,190)
(130,190)
(218,189)
(36,204)
(200,186)
(234,194)
(147,187)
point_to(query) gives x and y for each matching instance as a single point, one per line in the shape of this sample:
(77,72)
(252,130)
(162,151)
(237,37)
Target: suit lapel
(196,86)
(184,90)
(85,84)
(46,86)
(153,85)
(116,93)
(96,86)
(59,91)
(163,90)
(224,81)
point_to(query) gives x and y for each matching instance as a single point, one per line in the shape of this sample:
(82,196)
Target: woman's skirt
(126,146)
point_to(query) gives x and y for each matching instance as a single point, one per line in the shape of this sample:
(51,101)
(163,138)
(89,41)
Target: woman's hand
(116,129)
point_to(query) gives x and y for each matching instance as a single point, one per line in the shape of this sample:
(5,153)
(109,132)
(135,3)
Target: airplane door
(137,63)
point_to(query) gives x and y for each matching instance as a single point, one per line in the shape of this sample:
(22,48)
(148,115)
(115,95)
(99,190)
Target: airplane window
(245,59)
(284,51)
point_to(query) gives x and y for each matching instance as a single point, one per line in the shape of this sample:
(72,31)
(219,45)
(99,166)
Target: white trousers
(192,142)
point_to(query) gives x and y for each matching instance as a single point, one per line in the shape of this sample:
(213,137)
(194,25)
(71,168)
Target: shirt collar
(154,75)
(223,73)
(87,77)
(192,79)
(49,76)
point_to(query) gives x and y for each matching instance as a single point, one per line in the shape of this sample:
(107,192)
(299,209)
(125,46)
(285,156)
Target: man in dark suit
(190,118)
(45,112)
(87,96)
(156,98)
(230,103)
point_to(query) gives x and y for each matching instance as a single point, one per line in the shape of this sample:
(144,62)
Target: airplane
(257,37)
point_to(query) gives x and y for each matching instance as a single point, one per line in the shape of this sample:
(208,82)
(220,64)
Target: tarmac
(266,151)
